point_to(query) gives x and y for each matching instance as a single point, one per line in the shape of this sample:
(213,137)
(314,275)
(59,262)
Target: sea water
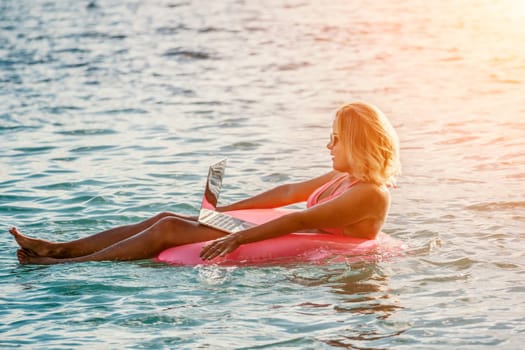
(111,111)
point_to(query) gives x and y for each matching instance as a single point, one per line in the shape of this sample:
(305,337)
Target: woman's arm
(359,203)
(281,195)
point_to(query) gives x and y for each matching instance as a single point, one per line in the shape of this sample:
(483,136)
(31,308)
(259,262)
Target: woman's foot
(34,247)
(26,257)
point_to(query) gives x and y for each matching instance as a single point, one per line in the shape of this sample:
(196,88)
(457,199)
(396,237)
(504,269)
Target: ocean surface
(111,111)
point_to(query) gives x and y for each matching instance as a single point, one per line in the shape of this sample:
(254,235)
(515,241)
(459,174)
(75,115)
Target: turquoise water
(111,112)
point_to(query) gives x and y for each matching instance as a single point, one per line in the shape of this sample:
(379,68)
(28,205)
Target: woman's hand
(220,247)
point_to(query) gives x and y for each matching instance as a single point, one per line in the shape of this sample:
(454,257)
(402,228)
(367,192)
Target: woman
(350,200)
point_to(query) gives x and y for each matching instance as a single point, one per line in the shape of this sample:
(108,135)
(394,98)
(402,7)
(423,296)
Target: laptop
(208,215)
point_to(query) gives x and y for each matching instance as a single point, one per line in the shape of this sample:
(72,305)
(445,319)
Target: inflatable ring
(290,248)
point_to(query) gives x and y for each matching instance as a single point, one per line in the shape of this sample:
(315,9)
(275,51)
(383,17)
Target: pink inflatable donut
(291,248)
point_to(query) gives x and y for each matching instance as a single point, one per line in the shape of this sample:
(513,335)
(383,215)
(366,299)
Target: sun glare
(514,10)
(518,7)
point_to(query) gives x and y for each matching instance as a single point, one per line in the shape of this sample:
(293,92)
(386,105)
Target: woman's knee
(170,223)
(162,215)
(167,230)
(150,222)
(172,231)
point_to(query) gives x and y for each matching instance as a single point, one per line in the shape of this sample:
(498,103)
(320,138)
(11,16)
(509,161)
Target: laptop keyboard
(225,222)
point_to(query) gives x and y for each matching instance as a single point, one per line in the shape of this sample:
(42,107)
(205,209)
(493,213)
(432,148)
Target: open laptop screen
(213,185)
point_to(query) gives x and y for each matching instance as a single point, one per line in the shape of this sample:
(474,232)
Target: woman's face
(339,159)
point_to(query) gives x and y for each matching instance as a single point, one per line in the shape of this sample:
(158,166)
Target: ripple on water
(241,146)
(463,263)
(86,132)
(186,54)
(15,126)
(30,151)
(71,185)
(499,206)
(124,111)
(92,149)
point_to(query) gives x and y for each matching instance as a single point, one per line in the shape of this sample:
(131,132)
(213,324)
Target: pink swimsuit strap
(314,197)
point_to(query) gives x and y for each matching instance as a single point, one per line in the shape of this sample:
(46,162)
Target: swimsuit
(339,190)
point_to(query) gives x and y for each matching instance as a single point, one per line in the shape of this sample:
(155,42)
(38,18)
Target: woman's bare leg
(167,232)
(87,245)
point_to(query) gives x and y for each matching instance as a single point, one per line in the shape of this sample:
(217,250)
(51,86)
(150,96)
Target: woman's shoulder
(371,192)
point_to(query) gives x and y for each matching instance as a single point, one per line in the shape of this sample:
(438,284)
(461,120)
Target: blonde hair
(370,143)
